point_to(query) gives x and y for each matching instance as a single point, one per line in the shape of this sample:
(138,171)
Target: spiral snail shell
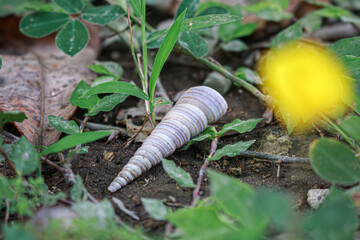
(197,107)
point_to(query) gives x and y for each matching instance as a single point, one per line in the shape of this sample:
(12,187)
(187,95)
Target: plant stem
(132,46)
(218,68)
(339,130)
(273,157)
(202,172)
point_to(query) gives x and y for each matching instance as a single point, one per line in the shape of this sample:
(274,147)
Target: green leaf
(155,208)
(0,62)
(117,87)
(332,12)
(24,156)
(352,65)
(13,116)
(290,121)
(182,177)
(335,219)
(351,127)
(104,14)
(71,6)
(194,43)
(213,10)
(199,23)
(334,161)
(277,206)
(77,97)
(231,31)
(109,68)
(81,150)
(14,232)
(76,191)
(292,33)
(102,79)
(268,10)
(74,140)
(62,125)
(236,199)
(7,149)
(102,213)
(202,223)
(107,103)
(164,51)
(241,126)
(346,46)
(311,22)
(190,5)
(41,24)
(135,4)
(231,150)
(248,75)
(72,38)
(161,101)
(208,133)
(234,46)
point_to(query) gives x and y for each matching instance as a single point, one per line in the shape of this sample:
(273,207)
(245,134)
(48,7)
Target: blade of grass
(164,51)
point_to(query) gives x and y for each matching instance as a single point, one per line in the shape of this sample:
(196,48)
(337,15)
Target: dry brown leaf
(40,81)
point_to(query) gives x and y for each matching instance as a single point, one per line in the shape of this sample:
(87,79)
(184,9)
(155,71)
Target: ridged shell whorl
(195,109)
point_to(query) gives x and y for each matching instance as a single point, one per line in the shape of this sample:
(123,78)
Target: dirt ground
(97,172)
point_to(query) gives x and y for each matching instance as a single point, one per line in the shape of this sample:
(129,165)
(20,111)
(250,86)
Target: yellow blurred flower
(304,80)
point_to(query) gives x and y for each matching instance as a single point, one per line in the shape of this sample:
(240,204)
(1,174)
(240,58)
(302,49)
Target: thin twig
(126,145)
(273,157)
(122,207)
(7,213)
(202,172)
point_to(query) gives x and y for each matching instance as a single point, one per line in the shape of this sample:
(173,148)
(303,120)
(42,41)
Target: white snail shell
(195,109)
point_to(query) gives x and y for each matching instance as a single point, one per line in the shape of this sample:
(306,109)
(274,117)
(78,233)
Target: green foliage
(107,103)
(272,10)
(78,192)
(351,126)
(40,24)
(311,22)
(108,68)
(190,6)
(346,46)
(208,133)
(0,63)
(116,87)
(13,232)
(240,126)
(182,177)
(248,75)
(228,32)
(72,38)
(71,6)
(135,4)
(234,46)
(74,140)
(13,116)
(25,196)
(7,149)
(231,150)
(155,208)
(194,43)
(77,97)
(335,219)
(292,33)
(164,51)
(103,15)
(199,22)
(334,161)
(161,101)
(62,125)
(25,156)
(351,64)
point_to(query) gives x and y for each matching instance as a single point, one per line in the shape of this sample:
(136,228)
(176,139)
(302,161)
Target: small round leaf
(72,38)
(103,15)
(71,6)
(41,24)
(334,161)
(194,43)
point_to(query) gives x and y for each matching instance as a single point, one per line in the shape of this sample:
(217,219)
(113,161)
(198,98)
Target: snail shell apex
(195,109)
